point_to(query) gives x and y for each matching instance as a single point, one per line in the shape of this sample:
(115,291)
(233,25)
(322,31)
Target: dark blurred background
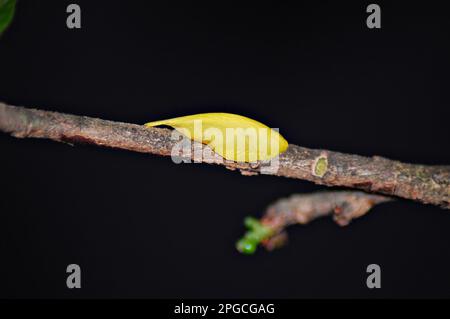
(142,226)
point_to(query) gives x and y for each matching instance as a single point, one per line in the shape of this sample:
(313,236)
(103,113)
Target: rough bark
(270,232)
(426,184)
(304,208)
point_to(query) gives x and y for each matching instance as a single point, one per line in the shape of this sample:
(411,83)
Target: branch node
(320,165)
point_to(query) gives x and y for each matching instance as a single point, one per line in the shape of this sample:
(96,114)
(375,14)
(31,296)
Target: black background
(141,226)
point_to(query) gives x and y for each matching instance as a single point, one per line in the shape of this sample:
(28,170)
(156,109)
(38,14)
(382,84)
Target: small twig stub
(320,165)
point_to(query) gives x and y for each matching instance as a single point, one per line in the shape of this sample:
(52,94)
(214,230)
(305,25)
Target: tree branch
(426,184)
(270,232)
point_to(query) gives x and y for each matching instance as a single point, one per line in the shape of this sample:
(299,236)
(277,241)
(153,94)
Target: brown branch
(270,232)
(304,208)
(426,184)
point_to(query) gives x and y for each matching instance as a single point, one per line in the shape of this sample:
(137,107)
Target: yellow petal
(234,137)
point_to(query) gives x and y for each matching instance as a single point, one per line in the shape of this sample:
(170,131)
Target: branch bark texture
(270,230)
(426,184)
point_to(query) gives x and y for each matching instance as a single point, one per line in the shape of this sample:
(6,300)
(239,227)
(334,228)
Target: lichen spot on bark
(320,165)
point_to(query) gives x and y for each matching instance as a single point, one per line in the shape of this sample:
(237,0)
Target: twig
(302,209)
(426,184)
